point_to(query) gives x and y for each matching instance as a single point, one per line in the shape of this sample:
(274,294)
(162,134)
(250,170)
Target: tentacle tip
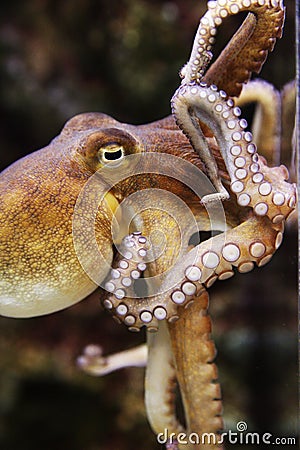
(81,362)
(182,72)
(92,350)
(91,358)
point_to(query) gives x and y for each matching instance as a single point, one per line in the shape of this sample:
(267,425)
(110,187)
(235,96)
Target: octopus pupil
(113,156)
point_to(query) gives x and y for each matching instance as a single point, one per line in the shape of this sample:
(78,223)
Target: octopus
(116,205)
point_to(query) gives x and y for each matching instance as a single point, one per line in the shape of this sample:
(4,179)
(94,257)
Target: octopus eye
(112,152)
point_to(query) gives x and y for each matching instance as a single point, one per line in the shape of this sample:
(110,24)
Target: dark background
(60,58)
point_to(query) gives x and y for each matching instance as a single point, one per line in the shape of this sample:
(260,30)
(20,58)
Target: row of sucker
(264,190)
(219,10)
(123,302)
(128,267)
(216,262)
(215,259)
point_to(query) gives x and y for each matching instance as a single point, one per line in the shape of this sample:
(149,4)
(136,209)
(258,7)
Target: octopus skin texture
(41,205)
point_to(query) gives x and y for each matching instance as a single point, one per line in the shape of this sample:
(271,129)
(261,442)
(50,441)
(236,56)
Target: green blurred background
(60,58)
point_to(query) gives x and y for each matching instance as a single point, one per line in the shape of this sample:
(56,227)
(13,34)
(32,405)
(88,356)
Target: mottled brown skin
(38,196)
(196,372)
(40,272)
